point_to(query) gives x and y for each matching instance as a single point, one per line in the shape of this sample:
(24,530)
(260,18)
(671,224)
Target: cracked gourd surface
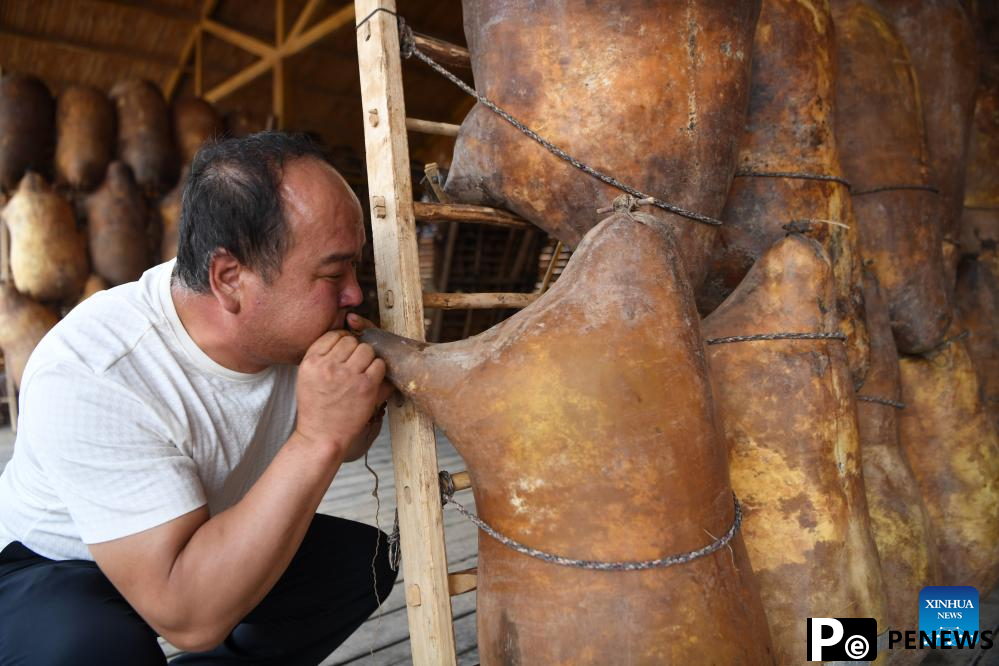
(651,93)
(789,420)
(587,424)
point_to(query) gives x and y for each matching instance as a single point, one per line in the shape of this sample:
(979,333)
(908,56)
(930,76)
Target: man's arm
(194,578)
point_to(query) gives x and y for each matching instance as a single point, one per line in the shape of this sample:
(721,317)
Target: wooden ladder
(401,300)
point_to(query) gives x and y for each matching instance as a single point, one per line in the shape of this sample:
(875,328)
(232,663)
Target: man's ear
(225,278)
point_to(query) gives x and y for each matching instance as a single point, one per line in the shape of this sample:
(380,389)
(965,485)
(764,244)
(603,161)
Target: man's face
(317,284)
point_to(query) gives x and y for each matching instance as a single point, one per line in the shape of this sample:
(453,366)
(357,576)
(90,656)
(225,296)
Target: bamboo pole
(431,212)
(431,127)
(278,82)
(170,88)
(478,301)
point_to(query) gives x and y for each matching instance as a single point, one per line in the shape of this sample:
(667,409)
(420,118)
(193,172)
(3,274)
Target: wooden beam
(431,127)
(461,481)
(304,17)
(445,53)
(479,301)
(237,38)
(278,81)
(237,81)
(290,47)
(88,48)
(397,270)
(461,582)
(432,212)
(343,16)
(199,63)
(168,12)
(170,88)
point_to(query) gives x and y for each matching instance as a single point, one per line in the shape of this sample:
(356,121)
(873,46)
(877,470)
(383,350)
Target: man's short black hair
(232,201)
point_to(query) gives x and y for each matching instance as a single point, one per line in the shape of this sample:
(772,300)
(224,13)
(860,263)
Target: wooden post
(397,270)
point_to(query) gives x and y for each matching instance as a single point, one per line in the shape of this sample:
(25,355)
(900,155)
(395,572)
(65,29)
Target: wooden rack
(401,304)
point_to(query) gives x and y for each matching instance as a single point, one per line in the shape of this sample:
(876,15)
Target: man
(178,433)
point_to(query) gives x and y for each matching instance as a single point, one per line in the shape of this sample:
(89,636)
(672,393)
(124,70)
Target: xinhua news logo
(842,639)
(948,618)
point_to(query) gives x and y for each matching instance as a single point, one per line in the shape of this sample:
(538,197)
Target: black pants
(67,612)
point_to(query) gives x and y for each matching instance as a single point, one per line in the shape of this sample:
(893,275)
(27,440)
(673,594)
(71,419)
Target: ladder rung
(480,301)
(461,481)
(431,212)
(443,52)
(460,582)
(431,127)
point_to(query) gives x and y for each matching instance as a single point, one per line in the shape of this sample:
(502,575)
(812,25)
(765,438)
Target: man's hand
(339,383)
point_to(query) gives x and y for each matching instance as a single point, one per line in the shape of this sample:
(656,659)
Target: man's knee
(69,613)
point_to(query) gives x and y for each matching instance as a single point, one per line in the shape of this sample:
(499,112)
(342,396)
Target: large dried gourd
(94,284)
(789,417)
(48,254)
(195,121)
(651,93)
(169,209)
(940,41)
(789,169)
(145,138)
(23,323)
(977,300)
(27,128)
(86,136)
(240,123)
(879,129)
(980,222)
(953,448)
(117,221)
(899,520)
(587,424)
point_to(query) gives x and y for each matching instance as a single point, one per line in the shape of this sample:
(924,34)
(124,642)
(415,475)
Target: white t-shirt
(125,424)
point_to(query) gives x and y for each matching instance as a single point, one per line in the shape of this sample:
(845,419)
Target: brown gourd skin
(980,221)
(145,138)
(195,121)
(653,94)
(879,128)
(117,221)
(48,253)
(899,521)
(27,128)
(789,129)
(586,421)
(977,300)
(239,124)
(788,415)
(940,41)
(95,283)
(85,126)
(169,209)
(23,323)
(952,445)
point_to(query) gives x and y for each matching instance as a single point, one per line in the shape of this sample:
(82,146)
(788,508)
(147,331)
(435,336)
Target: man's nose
(351,296)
